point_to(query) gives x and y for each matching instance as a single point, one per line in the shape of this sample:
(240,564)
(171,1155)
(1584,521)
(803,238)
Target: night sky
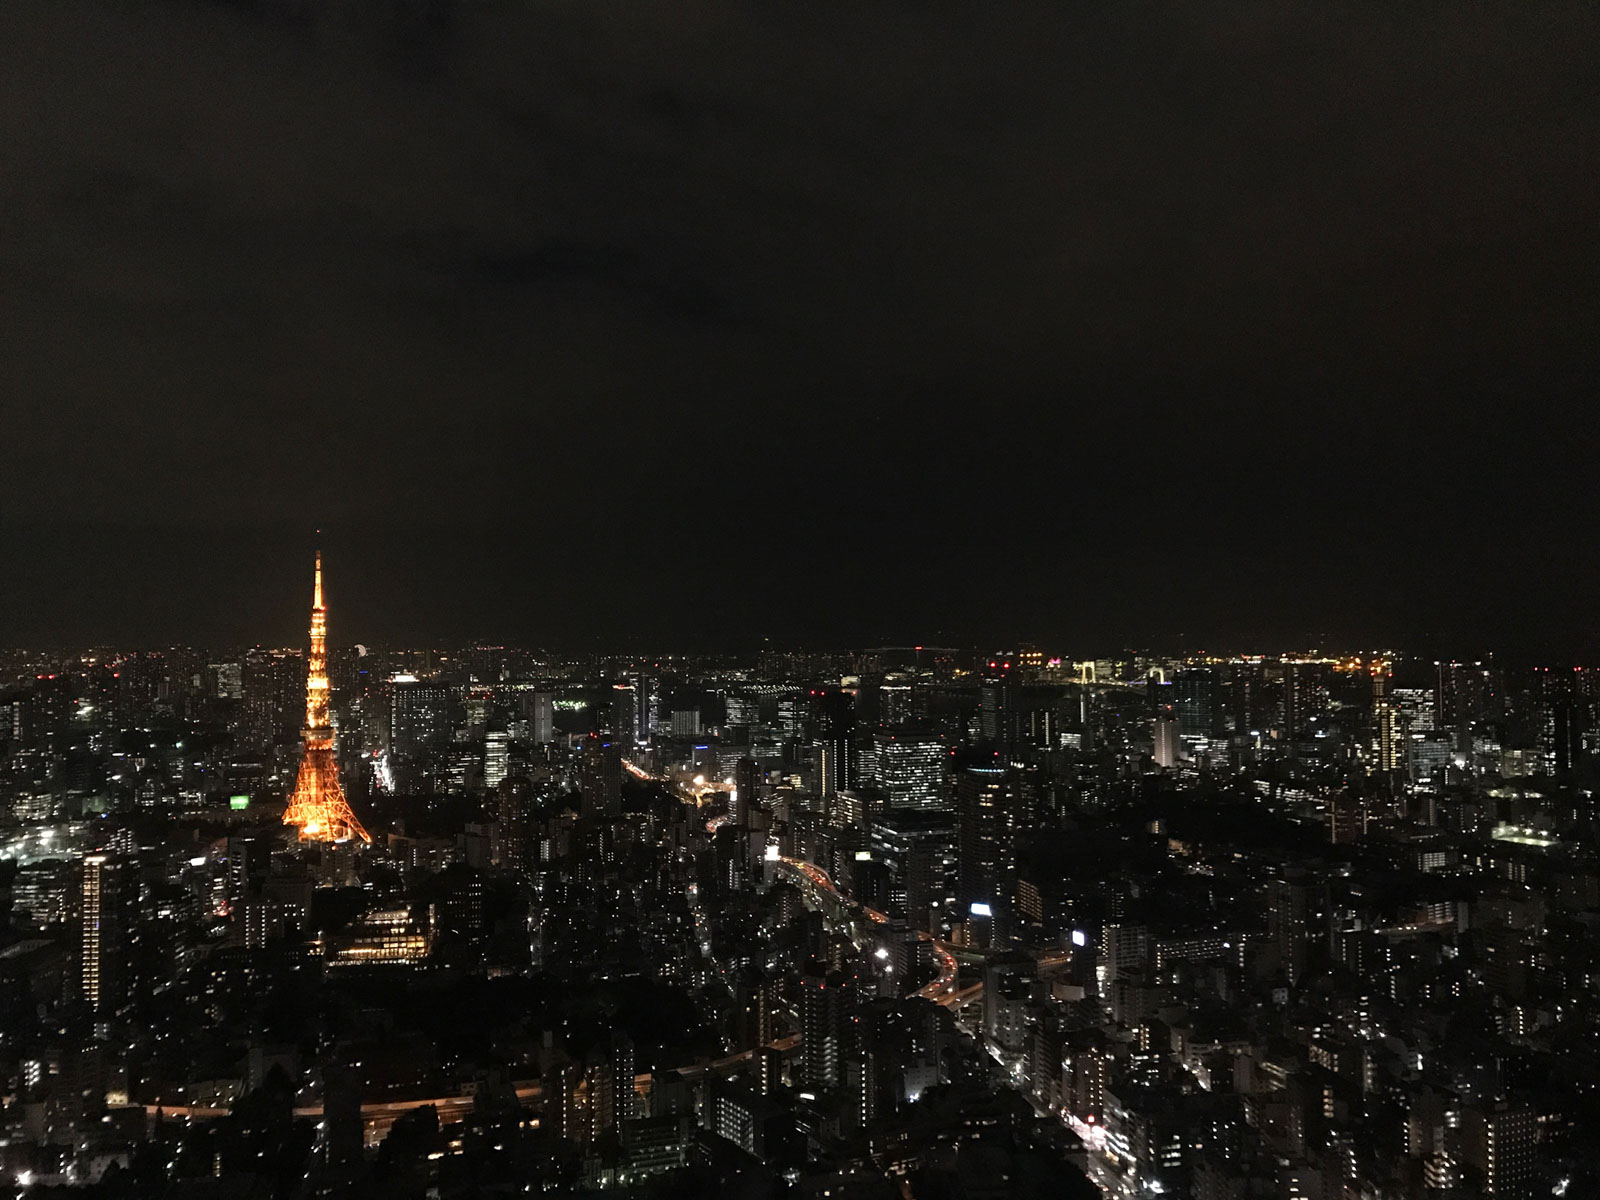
(582,323)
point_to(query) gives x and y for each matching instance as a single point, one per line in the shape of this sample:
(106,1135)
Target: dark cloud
(1083,321)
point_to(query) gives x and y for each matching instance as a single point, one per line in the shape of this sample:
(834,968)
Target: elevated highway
(379,1115)
(815,883)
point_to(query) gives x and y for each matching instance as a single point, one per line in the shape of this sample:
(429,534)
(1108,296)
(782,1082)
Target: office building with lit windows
(988,817)
(910,769)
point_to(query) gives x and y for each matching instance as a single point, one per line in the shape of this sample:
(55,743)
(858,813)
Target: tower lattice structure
(318,806)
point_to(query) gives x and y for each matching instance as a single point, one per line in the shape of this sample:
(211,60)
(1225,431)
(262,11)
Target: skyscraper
(915,846)
(1387,719)
(104,910)
(421,715)
(1567,724)
(988,815)
(835,712)
(496,756)
(1243,694)
(996,715)
(600,770)
(644,709)
(1167,751)
(909,767)
(1192,692)
(318,806)
(1463,693)
(544,717)
(1305,695)
(622,715)
(513,812)
(1297,917)
(746,789)
(895,704)
(272,682)
(90,966)
(822,1026)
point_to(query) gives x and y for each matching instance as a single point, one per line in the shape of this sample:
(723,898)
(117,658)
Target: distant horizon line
(569,653)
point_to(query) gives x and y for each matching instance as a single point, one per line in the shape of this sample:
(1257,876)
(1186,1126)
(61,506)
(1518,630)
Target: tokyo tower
(318,805)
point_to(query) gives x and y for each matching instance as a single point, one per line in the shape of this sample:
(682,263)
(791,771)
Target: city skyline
(1122,928)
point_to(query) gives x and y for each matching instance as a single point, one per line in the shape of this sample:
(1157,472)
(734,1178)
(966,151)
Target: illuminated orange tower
(318,805)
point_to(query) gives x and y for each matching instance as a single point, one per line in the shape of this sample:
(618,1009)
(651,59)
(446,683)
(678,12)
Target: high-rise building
(318,807)
(909,769)
(644,709)
(249,859)
(496,757)
(996,712)
(1242,693)
(1305,695)
(988,816)
(41,893)
(1347,819)
(1417,709)
(600,770)
(227,680)
(746,789)
(834,711)
(1388,723)
(1439,1174)
(793,711)
(585,1100)
(104,914)
(544,718)
(513,813)
(421,715)
(1167,752)
(895,704)
(1011,714)
(915,847)
(1464,691)
(1567,725)
(90,966)
(1297,918)
(849,809)
(625,1076)
(273,684)
(756,1005)
(619,713)
(1123,949)
(1192,690)
(1085,1074)
(822,1027)
(1500,1143)
(342,1091)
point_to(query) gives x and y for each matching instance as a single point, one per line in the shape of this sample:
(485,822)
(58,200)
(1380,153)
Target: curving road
(943,989)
